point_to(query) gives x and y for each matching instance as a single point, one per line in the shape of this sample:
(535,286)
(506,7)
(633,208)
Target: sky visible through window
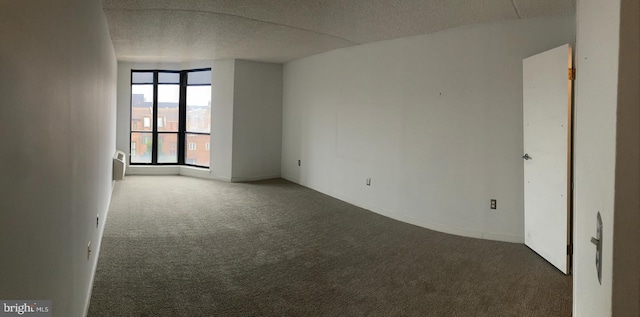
(197,96)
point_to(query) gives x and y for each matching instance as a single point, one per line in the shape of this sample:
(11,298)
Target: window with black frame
(170,117)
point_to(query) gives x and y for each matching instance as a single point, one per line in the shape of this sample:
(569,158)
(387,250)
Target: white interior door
(547,159)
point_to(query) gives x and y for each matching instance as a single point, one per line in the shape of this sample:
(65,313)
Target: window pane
(199,78)
(141,147)
(168,100)
(199,109)
(168,148)
(197,152)
(141,107)
(142,77)
(168,78)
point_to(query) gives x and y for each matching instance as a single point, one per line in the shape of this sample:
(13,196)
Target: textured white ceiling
(282,30)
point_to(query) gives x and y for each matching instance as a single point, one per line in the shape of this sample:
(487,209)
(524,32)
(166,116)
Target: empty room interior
(320,158)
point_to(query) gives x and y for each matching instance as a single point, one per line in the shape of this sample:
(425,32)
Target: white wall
(257,120)
(222,118)
(246,119)
(595,146)
(626,236)
(607,161)
(57,140)
(434,120)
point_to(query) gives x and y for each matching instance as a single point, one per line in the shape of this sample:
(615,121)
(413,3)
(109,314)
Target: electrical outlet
(369,181)
(299,163)
(494,204)
(89,251)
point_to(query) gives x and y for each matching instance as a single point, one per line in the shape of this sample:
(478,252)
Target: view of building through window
(157,119)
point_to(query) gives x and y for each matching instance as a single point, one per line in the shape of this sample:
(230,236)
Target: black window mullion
(130,115)
(182,115)
(182,121)
(154,118)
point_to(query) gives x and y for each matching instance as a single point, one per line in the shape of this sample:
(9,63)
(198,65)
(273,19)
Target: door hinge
(570,249)
(572,74)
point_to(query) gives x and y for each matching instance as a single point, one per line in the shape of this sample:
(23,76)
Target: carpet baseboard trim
(418,222)
(254,178)
(202,173)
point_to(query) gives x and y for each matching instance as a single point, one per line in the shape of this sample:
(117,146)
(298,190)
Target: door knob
(526,156)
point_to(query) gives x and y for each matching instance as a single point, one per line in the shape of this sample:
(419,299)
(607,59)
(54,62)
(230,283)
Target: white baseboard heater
(119,165)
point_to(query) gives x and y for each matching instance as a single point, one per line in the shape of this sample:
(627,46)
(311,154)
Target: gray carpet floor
(179,246)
